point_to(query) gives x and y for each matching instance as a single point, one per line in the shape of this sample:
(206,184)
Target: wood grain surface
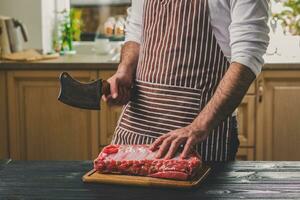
(62,180)
(4,149)
(41,127)
(95,177)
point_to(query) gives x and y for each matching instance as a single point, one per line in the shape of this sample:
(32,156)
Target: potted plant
(68,30)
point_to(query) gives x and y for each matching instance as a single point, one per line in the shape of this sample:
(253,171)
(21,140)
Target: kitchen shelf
(99,2)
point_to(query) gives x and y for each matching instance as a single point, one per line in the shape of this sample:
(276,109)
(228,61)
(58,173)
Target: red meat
(140,160)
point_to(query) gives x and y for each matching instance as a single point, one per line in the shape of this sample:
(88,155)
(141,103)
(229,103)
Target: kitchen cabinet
(246,128)
(278,114)
(42,128)
(4,153)
(109,116)
(246,121)
(246,125)
(245,153)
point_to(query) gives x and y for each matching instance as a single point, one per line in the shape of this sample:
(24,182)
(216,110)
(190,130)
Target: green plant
(76,23)
(68,30)
(289,16)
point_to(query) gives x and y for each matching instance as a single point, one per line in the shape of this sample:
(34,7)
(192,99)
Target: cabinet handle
(260,93)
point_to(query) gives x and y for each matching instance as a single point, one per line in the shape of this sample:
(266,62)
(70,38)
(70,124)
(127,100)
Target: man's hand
(169,143)
(121,82)
(120,88)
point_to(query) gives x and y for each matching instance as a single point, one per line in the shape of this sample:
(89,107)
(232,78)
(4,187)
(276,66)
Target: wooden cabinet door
(109,116)
(41,127)
(278,136)
(246,128)
(246,121)
(4,152)
(245,154)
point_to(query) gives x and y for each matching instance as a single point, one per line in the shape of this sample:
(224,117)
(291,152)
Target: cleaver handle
(105,90)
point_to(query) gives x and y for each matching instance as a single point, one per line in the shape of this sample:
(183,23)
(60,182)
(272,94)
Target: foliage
(290,16)
(68,30)
(76,23)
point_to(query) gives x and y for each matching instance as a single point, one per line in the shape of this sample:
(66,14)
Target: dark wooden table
(62,180)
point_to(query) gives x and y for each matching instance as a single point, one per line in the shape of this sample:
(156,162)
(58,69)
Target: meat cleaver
(82,95)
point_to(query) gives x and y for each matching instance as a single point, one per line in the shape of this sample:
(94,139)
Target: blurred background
(93,21)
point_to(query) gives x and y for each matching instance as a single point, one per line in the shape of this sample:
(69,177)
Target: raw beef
(140,160)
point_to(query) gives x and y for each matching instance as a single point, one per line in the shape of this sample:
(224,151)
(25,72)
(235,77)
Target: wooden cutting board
(29,55)
(95,177)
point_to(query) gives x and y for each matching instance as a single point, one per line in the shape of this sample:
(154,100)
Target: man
(185,67)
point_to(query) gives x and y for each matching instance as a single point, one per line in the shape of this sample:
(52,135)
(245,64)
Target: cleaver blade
(82,95)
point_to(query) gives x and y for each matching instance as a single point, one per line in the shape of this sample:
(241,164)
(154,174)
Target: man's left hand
(169,143)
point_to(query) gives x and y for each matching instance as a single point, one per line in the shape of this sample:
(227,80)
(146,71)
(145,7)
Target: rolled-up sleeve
(134,22)
(249,32)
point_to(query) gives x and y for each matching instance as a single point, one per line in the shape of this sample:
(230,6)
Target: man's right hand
(120,88)
(122,81)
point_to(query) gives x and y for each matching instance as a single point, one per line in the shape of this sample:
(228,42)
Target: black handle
(23,29)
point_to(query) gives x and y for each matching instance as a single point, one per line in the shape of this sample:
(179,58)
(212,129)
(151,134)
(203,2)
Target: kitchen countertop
(276,62)
(62,180)
(85,62)
(92,62)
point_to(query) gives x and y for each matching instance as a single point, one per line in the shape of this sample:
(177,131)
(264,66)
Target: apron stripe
(164,120)
(157,97)
(145,128)
(212,144)
(168,111)
(151,112)
(227,141)
(147,43)
(170,106)
(147,29)
(175,81)
(222,144)
(201,48)
(150,122)
(174,55)
(217,144)
(122,136)
(141,140)
(159,43)
(169,44)
(154,38)
(181,52)
(142,47)
(199,39)
(191,49)
(142,131)
(154,22)
(184,73)
(173,89)
(118,138)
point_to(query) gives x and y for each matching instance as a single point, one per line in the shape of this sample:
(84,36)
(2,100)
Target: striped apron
(180,66)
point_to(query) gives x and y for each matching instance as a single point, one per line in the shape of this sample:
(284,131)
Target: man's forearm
(129,57)
(227,97)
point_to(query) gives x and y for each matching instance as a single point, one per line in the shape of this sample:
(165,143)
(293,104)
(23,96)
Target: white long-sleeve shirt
(240,27)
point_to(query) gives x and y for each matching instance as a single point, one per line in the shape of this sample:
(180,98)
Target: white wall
(28,12)
(38,16)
